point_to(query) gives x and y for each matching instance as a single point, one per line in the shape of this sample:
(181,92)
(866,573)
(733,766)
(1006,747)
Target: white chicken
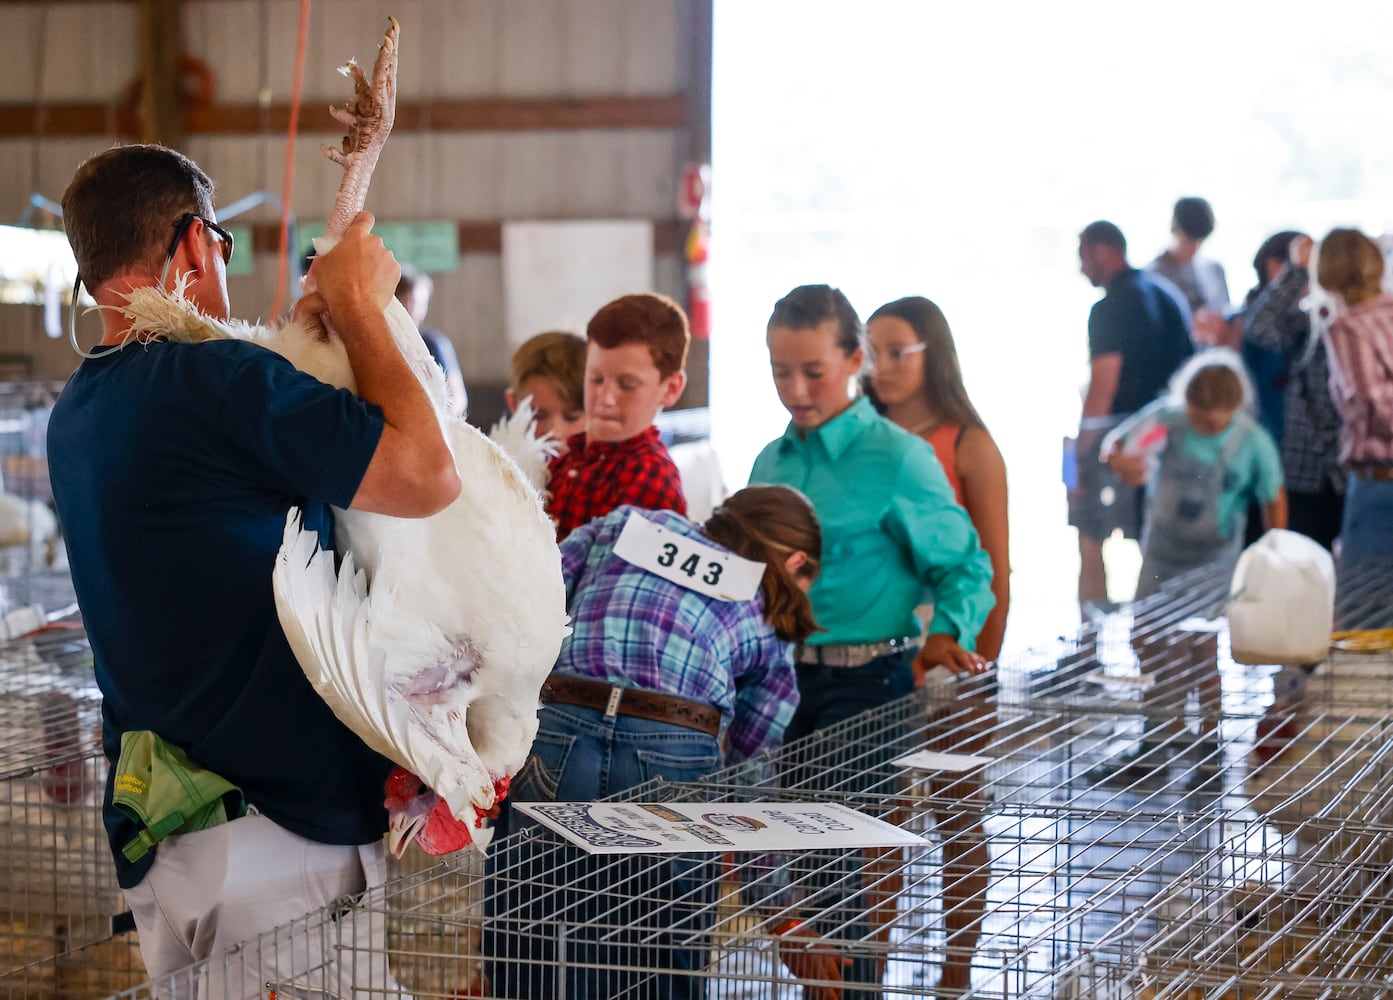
(432,639)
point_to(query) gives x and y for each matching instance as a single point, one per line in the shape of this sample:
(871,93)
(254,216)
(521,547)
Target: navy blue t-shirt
(1141,321)
(173,467)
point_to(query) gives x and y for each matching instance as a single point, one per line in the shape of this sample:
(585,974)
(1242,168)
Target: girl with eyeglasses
(916,382)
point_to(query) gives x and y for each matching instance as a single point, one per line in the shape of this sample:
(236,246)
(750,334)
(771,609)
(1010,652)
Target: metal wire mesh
(1045,868)
(1015,848)
(29,543)
(1304,915)
(60,908)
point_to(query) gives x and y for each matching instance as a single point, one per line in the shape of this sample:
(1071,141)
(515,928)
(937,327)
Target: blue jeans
(1366,533)
(828,695)
(643,914)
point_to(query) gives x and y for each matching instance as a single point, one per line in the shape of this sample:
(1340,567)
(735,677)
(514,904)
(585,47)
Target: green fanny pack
(161,789)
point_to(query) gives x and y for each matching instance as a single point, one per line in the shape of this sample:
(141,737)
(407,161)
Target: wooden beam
(486,237)
(460,115)
(30,122)
(158,112)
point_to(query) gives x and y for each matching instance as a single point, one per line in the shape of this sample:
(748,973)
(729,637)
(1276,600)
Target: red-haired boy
(635,355)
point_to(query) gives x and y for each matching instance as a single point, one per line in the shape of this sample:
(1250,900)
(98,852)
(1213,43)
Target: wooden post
(160,41)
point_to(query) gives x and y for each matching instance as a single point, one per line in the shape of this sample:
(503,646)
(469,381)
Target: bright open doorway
(896,147)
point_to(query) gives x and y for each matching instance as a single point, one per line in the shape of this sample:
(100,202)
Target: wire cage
(546,920)
(1305,915)
(62,929)
(29,537)
(1020,868)
(1042,871)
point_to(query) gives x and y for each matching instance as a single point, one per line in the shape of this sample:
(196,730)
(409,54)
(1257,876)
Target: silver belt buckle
(615,695)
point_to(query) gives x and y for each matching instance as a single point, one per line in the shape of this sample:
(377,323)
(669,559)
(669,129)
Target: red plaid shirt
(595,477)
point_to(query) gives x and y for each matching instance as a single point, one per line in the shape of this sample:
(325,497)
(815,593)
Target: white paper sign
(713,827)
(687,562)
(1142,681)
(931,760)
(557,274)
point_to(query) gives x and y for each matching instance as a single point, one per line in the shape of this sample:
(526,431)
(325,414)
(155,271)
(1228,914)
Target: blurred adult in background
(1267,365)
(1359,339)
(1138,335)
(916,382)
(1199,280)
(414,292)
(1291,370)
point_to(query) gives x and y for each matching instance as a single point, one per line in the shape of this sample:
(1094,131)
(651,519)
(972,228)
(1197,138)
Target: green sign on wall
(241,263)
(426,246)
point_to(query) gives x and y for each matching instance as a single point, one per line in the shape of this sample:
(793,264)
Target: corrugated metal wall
(87,53)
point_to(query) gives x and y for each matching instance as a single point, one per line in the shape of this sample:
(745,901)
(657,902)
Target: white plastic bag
(1282,601)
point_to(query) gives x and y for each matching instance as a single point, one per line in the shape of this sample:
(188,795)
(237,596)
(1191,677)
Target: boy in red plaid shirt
(635,355)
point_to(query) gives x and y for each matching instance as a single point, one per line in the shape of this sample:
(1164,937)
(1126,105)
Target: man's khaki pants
(211,890)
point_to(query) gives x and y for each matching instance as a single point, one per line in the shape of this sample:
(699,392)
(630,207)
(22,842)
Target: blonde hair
(555,355)
(1350,265)
(768,524)
(1213,380)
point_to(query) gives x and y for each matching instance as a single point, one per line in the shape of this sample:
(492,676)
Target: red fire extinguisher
(694,204)
(698,291)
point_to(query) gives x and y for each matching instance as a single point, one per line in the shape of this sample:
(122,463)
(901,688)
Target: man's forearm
(385,379)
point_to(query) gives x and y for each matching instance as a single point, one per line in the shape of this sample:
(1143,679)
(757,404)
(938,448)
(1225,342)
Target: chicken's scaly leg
(369,116)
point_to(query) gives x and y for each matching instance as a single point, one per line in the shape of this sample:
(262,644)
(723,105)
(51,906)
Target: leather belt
(836,655)
(1372,471)
(633,702)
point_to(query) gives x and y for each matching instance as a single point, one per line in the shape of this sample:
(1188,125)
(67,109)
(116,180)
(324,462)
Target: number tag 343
(687,562)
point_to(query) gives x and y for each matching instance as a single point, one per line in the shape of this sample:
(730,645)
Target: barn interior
(550,155)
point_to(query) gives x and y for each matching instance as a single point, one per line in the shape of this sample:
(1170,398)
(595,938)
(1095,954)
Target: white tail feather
(517,435)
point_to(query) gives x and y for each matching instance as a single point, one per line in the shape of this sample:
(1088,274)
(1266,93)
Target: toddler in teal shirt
(1204,457)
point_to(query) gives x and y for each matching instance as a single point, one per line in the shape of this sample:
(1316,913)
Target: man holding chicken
(237,801)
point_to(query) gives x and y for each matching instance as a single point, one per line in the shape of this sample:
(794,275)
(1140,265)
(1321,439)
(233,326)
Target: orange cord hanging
(283,256)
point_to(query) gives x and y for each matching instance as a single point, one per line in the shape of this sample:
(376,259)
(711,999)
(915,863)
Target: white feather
(517,435)
(433,637)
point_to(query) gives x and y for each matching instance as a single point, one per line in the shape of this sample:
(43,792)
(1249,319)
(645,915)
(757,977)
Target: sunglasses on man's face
(182,225)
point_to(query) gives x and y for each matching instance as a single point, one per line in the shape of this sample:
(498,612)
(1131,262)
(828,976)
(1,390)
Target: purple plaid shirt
(635,629)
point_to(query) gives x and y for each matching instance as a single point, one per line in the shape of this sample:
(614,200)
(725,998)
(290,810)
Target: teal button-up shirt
(890,529)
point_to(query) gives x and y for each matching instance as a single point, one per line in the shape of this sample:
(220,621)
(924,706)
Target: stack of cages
(1068,808)
(62,920)
(1002,885)
(63,926)
(1023,860)
(1297,900)
(30,544)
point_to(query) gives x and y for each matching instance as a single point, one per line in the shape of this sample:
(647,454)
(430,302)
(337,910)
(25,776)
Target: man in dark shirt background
(1137,337)
(413,292)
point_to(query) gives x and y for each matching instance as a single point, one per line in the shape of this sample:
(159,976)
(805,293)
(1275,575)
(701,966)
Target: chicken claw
(368,116)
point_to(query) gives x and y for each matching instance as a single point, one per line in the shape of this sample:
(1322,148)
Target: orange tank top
(944,439)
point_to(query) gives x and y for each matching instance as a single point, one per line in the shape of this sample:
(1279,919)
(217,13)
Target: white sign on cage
(706,827)
(556,275)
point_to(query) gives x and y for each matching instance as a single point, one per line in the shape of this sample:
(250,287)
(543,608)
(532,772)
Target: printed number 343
(690,565)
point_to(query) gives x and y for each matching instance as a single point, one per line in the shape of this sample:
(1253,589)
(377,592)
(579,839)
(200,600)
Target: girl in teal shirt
(892,530)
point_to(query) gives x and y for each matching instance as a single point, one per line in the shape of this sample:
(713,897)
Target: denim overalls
(1182,526)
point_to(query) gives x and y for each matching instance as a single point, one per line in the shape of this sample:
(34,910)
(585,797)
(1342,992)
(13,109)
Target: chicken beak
(402,832)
